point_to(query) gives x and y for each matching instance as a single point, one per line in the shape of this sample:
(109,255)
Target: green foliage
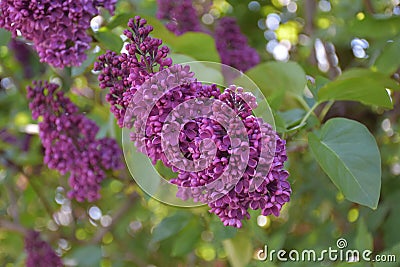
(239,250)
(348,153)
(88,256)
(170,226)
(361,85)
(5,37)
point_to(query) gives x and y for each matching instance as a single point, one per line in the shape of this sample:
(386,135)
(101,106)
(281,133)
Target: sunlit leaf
(279,76)
(363,85)
(376,27)
(388,61)
(109,39)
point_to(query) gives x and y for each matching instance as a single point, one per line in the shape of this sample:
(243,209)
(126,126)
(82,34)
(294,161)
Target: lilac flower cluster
(40,252)
(233,47)
(181,16)
(57,28)
(69,140)
(120,73)
(155,104)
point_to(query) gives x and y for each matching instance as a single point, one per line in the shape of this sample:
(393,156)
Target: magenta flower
(40,252)
(58,29)
(69,141)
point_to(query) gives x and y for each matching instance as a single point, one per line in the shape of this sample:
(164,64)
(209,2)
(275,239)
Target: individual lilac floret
(181,16)
(39,252)
(58,29)
(120,73)
(233,47)
(69,141)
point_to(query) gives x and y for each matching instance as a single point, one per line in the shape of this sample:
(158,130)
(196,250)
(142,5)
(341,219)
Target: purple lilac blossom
(120,73)
(233,47)
(58,29)
(69,141)
(143,99)
(40,252)
(181,16)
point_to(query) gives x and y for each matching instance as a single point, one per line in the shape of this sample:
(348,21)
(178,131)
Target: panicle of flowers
(145,99)
(69,141)
(233,47)
(39,252)
(181,16)
(120,73)
(58,29)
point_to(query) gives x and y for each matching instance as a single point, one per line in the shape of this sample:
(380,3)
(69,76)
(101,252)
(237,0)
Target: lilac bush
(58,29)
(69,141)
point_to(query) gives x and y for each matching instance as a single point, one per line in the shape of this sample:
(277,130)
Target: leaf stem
(325,110)
(310,111)
(302,102)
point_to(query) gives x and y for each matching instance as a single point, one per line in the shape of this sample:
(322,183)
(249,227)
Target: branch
(13,203)
(115,218)
(309,13)
(369,7)
(11,226)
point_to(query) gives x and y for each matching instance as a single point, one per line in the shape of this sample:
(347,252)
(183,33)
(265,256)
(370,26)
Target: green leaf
(170,226)
(279,76)
(5,37)
(365,86)
(292,117)
(76,71)
(239,249)
(201,46)
(186,240)
(349,155)
(109,40)
(376,27)
(220,231)
(363,239)
(88,256)
(388,61)
(165,171)
(119,20)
